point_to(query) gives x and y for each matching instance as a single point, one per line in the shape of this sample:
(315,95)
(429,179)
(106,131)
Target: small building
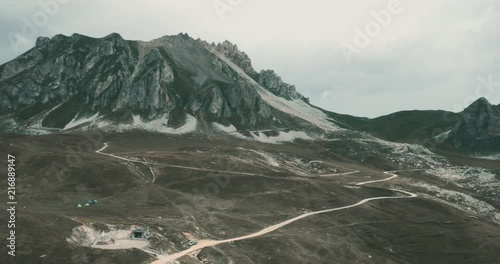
(138,234)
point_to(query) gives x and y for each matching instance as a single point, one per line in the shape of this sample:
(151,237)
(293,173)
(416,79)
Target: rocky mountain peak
(273,82)
(114,36)
(238,57)
(266,78)
(479,126)
(184,35)
(478,106)
(67,81)
(42,41)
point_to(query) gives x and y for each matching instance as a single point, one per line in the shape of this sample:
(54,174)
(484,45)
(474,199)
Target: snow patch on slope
(489,157)
(443,136)
(461,201)
(269,159)
(160,125)
(227,129)
(407,156)
(281,137)
(78,121)
(478,175)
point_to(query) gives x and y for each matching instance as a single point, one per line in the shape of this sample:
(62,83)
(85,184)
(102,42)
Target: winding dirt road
(99,151)
(383,180)
(165,259)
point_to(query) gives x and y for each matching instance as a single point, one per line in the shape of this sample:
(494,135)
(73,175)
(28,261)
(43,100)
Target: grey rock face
(238,57)
(270,80)
(479,127)
(42,41)
(267,78)
(67,78)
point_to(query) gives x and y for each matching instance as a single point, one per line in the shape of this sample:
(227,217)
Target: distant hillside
(406,126)
(477,128)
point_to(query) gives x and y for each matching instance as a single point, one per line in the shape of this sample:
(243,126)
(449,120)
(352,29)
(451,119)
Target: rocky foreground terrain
(219,163)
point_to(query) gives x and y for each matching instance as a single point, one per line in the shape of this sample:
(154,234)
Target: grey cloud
(430,57)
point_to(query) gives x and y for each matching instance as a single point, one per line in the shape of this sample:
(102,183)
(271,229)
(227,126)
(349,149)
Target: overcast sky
(430,55)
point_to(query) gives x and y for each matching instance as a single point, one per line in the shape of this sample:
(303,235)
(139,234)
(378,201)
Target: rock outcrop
(270,80)
(69,78)
(479,127)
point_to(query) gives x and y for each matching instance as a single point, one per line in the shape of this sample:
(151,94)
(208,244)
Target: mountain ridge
(172,75)
(478,128)
(177,83)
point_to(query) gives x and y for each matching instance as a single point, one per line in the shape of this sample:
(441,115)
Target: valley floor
(248,202)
